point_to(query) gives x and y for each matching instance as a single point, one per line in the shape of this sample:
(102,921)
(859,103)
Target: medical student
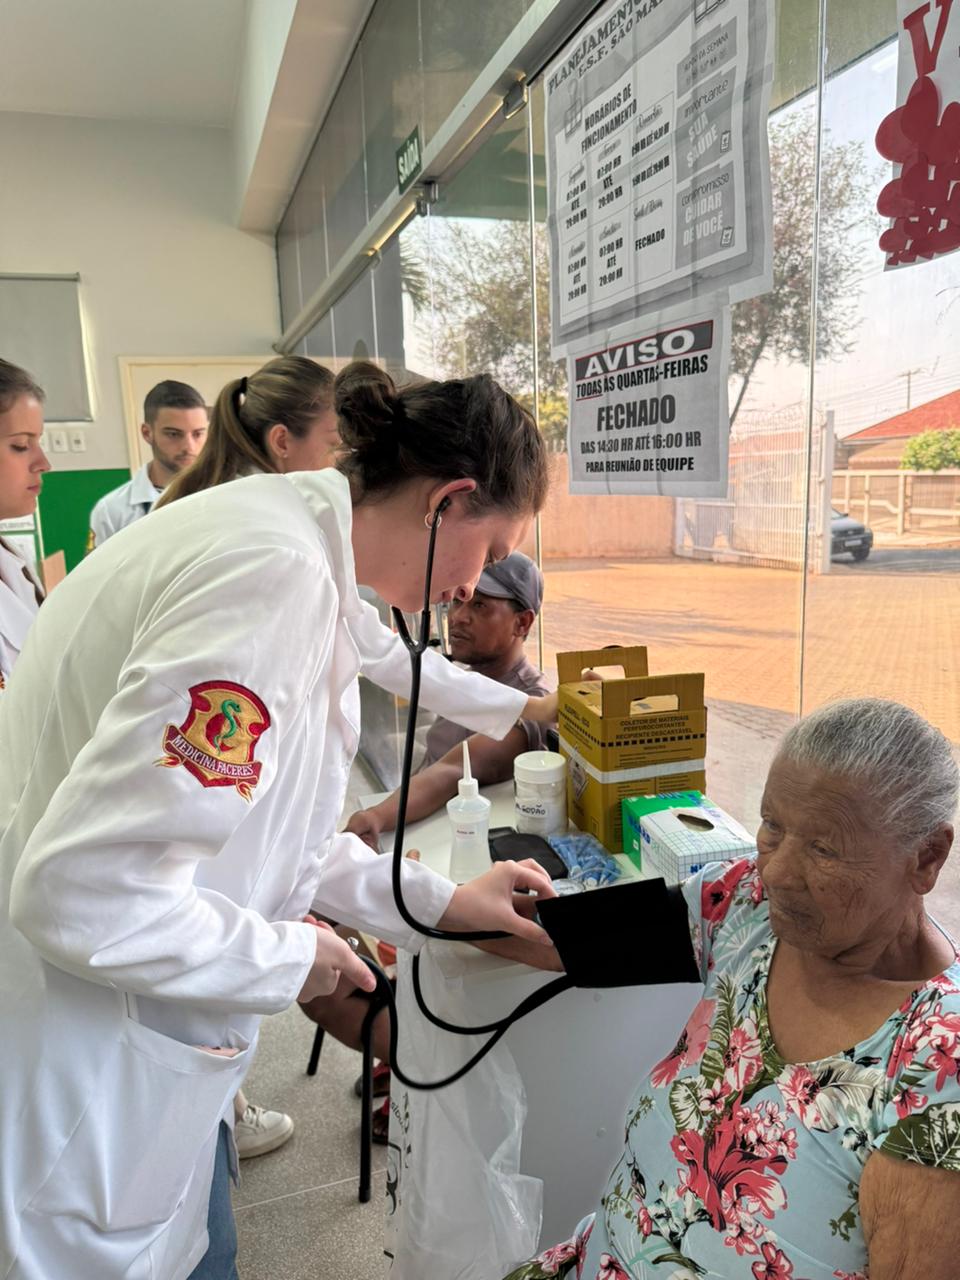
(279,419)
(22,464)
(282,419)
(175,427)
(176,750)
(292,397)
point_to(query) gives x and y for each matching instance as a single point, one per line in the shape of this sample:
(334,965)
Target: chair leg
(366,1100)
(366,1122)
(315,1052)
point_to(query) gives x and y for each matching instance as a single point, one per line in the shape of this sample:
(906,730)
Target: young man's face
(176,437)
(484,629)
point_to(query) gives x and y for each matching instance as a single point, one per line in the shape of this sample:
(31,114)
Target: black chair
(366,1090)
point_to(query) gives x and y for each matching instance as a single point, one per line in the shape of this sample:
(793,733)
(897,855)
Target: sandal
(381,1081)
(380,1123)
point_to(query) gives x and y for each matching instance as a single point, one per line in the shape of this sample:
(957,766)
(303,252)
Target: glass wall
(829,569)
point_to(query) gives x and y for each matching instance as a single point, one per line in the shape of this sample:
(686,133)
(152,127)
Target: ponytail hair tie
(239,394)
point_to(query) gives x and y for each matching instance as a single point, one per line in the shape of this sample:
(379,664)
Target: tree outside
(482,305)
(482,313)
(932,451)
(778,323)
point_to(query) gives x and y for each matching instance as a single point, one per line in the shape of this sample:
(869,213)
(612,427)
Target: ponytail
(291,390)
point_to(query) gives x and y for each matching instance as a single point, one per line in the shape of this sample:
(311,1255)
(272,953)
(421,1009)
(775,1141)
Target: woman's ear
(443,494)
(930,857)
(276,441)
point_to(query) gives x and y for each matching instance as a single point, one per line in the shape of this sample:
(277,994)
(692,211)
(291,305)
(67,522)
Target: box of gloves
(640,735)
(678,840)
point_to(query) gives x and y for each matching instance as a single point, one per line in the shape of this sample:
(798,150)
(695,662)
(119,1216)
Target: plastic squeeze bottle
(469,822)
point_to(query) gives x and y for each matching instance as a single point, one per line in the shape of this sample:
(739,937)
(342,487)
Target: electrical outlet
(58,441)
(78,441)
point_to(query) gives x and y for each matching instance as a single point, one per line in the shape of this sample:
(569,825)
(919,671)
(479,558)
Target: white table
(577,1060)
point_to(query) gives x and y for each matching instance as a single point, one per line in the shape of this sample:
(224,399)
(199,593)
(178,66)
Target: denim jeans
(220,1260)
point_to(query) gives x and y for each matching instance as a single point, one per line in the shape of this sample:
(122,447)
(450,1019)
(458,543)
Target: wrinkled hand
(333,958)
(365,824)
(491,901)
(541,710)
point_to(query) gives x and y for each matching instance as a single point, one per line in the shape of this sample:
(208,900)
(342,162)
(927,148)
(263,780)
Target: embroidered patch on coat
(217,741)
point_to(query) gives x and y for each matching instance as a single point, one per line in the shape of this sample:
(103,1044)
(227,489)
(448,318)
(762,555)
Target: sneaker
(259,1131)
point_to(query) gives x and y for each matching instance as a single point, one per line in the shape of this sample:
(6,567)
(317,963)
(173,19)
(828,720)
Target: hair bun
(366,401)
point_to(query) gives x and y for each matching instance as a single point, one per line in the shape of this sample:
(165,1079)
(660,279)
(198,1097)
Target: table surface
(575,1098)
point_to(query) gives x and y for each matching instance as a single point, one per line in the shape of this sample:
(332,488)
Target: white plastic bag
(457,1206)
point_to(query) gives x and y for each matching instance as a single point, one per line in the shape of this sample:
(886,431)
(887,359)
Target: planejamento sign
(657,165)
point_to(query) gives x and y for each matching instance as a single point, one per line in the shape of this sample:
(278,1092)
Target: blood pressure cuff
(634,934)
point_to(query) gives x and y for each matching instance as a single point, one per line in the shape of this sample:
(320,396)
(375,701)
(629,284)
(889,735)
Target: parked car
(847,534)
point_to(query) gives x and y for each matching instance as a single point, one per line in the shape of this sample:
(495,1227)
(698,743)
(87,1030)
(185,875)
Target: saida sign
(409,159)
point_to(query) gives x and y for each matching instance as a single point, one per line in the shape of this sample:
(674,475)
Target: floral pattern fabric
(738,1164)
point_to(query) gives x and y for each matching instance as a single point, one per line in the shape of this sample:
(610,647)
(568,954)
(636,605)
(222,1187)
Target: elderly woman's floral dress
(739,1165)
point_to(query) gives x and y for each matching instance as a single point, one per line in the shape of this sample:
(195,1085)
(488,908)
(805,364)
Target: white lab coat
(143,913)
(122,506)
(20,596)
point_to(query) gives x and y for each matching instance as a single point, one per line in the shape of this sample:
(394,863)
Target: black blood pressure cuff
(634,934)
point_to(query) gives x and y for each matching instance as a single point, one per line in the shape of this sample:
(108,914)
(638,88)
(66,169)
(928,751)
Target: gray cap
(515,577)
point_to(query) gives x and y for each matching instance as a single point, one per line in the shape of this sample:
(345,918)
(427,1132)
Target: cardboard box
(635,808)
(642,735)
(679,841)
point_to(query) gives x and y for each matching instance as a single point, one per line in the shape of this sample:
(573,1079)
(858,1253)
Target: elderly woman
(806,1125)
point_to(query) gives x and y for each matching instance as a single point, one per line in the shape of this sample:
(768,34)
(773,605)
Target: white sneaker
(259,1131)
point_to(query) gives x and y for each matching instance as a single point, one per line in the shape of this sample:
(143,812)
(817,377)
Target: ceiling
(175,61)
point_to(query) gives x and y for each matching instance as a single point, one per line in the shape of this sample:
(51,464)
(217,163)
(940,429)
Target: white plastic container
(469,813)
(540,793)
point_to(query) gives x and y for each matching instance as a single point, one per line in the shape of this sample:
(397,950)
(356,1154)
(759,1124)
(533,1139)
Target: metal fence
(764,518)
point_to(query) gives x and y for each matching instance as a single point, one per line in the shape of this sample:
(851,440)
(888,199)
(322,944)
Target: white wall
(268,26)
(145,214)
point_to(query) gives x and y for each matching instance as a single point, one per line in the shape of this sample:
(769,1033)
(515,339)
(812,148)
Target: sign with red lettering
(922,136)
(648,407)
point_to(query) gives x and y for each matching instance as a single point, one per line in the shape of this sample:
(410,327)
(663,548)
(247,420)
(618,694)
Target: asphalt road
(901,560)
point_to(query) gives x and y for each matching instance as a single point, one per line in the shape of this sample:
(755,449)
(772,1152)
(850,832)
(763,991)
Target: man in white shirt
(175,427)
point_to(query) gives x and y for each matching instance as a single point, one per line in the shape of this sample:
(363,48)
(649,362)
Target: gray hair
(903,762)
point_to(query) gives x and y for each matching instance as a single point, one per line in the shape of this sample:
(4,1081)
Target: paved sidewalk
(882,634)
(886,635)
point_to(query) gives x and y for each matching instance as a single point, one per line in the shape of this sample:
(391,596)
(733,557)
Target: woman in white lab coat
(176,748)
(279,420)
(22,464)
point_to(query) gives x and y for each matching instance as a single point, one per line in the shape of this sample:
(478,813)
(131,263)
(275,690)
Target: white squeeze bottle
(469,821)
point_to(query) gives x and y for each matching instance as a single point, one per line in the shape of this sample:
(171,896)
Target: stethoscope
(384,990)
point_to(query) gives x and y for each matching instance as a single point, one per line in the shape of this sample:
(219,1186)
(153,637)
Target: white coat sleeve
(105,886)
(465,697)
(356,888)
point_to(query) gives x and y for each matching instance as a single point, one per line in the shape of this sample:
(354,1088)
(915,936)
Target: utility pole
(909,376)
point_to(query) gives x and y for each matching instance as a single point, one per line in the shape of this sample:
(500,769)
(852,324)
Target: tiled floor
(297,1212)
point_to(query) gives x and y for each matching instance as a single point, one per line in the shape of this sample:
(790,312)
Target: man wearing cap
(487,634)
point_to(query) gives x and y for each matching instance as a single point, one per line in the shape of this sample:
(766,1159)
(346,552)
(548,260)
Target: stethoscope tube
(384,990)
